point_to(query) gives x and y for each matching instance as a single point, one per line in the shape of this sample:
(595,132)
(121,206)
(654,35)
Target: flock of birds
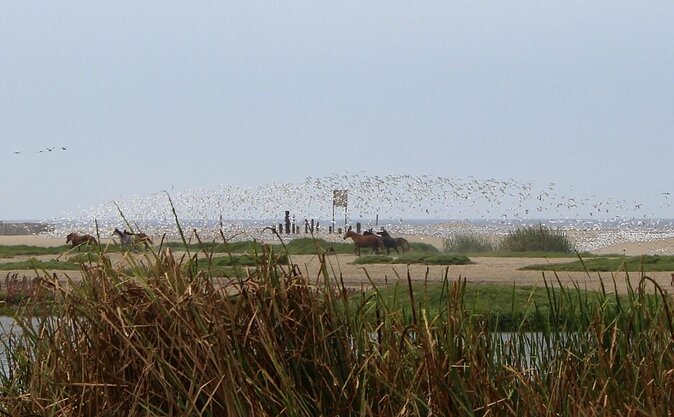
(46,149)
(492,205)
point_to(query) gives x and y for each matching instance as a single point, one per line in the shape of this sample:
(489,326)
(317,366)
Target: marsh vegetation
(162,336)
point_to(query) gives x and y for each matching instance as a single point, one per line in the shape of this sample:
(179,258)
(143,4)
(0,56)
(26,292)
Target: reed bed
(159,338)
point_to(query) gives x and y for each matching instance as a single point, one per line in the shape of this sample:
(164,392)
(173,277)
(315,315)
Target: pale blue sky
(148,96)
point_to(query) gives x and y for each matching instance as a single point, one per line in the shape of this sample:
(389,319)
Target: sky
(163,95)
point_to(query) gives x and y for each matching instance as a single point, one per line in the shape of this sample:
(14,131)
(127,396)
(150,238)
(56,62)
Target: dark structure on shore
(23,228)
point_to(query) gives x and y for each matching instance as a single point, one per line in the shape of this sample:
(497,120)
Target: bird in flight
(48,149)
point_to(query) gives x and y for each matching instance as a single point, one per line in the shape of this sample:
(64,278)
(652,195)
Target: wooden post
(306,226)
(358,227)
(330,229)
(339,230)
(287,221)
(312,225)
(316,227)
(280,228)
(376,221)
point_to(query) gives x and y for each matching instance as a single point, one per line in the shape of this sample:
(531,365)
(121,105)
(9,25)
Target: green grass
(646,263)
(216,247)
(502,307)
(309,246)
(9,251)
(415,258)
(40,265)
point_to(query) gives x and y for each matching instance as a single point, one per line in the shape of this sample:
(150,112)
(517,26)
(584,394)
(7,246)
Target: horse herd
(377,242)
(127,239)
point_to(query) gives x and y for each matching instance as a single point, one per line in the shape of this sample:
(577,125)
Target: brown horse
(77,239)
(369,241)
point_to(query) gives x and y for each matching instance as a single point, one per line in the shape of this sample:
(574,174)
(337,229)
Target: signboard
(340,198)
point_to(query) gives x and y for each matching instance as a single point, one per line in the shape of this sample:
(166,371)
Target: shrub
(468,244)
(541,238)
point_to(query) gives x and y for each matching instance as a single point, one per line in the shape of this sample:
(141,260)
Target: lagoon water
(7,326)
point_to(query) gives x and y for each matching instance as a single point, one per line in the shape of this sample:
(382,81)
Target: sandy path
(485,270)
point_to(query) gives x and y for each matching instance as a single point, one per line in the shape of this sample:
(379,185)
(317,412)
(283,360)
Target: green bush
(541,238)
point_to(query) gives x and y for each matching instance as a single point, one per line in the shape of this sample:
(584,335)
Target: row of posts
(310,226)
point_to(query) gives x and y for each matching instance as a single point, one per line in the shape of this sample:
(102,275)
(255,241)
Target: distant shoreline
(24,228)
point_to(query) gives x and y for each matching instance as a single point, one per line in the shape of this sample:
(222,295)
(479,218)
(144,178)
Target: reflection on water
(7,326)
(535,350)
(528,351)
(9,329)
